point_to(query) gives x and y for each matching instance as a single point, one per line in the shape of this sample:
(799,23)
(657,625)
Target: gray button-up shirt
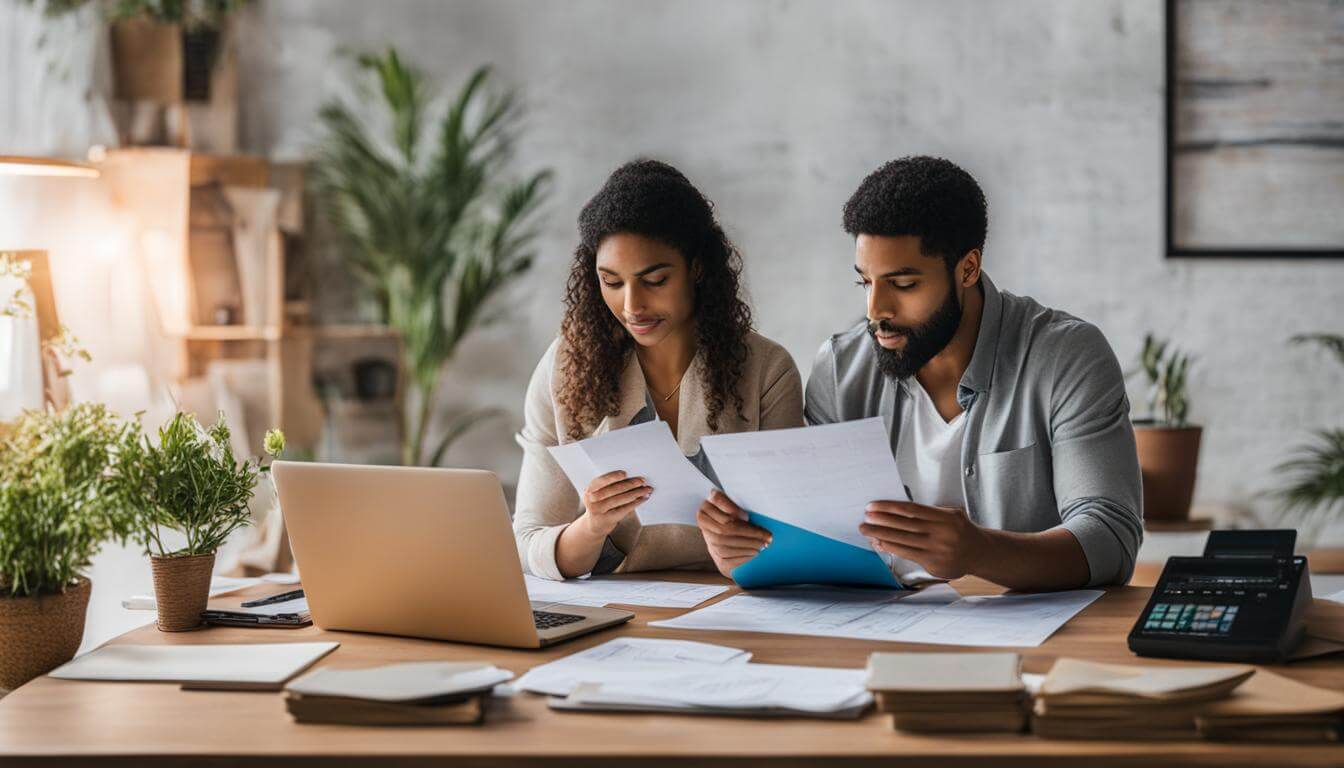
(1048,441)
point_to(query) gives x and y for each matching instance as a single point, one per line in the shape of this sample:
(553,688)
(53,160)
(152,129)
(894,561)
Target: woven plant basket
(181,589)
(40,632)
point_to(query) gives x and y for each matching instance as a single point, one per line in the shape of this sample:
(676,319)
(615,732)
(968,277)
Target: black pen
(280,598)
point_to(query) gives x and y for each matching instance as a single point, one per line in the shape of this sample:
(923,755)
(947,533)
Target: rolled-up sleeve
(1097,482)
(547,503)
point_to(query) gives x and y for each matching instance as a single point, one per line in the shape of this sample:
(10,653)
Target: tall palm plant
(1315,487)
(429,223)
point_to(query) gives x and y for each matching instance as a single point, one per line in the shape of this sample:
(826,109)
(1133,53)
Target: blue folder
(799,556)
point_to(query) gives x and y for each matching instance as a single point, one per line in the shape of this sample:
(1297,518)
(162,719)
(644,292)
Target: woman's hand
(731,540)
(610,498)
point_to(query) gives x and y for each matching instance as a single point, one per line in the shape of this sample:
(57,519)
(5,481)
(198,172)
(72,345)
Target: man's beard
(922,344)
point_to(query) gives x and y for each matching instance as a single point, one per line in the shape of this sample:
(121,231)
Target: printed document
(935,615)
(598,591)
(645,450)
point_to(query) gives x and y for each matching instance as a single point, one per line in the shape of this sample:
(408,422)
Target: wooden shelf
(252,333)
(231,333)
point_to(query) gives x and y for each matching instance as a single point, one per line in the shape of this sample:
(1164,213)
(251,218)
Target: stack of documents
(652,675)
(1088,700)
(601,591)
(250,667)
(285,613)
(421,693)
(950,692)
(1271,707)
(935,615)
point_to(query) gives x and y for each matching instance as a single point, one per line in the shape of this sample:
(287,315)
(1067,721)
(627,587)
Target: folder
(799,556)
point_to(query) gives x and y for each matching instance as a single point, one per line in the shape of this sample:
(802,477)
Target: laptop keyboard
(548,620)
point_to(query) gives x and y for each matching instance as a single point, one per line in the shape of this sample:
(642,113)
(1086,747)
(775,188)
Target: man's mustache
(888,327)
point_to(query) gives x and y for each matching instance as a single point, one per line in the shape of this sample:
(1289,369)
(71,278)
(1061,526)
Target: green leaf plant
(428,219)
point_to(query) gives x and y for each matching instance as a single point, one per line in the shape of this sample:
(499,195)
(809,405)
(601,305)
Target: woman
(655,327)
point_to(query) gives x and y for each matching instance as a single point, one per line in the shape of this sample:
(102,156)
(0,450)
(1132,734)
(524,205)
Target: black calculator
(1245,599)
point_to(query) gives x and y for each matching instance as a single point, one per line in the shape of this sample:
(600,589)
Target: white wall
(777,110)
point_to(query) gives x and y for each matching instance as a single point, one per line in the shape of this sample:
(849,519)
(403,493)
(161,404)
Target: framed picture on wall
(1255,128)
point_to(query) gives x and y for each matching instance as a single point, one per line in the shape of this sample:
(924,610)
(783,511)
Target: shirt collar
(979,374)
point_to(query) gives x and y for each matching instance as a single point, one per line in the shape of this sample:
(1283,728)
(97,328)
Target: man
(1008,420)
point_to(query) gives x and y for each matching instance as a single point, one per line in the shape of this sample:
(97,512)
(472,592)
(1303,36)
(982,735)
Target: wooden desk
(70,723)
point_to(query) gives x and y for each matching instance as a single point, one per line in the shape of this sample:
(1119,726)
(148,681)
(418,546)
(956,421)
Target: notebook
(244,667)
(416,693)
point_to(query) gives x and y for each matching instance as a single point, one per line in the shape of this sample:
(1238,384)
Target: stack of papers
(288,613)
(1271,707)
(251,667)
(626,659)
(645,450)
(950,692)
(936,615)
(1088,700)
(598,592)
(420,693)
(645,674)
(737,689)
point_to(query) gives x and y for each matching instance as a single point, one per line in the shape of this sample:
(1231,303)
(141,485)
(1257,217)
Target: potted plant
(164,53)
(428,220)
(187,481)
(1315,485)
(56,511)
(1168,446)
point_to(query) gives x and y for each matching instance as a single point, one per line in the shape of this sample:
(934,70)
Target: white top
(928,451)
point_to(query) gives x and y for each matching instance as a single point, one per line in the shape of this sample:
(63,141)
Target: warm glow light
(11,165)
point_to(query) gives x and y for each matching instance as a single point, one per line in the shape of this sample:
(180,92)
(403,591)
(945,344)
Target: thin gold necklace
(669,395)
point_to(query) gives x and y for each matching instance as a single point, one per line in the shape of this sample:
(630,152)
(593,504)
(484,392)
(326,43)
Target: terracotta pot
(1169,458)
(147,60)
(181,589)
(40,632)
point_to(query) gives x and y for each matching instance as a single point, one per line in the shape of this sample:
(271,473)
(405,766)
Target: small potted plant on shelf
(1168,446)
(187,481)
(56,511)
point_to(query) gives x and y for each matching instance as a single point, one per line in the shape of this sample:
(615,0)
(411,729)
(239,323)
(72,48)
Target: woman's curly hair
(653,199)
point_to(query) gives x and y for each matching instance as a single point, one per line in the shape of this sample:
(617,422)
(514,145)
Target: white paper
(1010,621)
(645,450)
(741,686)
(819,478)
(1337,597)
(400,682)
(869,614)
(599,592)
(297,605)
(251,664)
(219,585)
(626,659)
(934,615)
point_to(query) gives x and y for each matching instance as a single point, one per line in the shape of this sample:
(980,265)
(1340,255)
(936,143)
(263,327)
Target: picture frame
(1208,169)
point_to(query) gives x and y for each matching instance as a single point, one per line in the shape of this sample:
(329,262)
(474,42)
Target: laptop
(417,552)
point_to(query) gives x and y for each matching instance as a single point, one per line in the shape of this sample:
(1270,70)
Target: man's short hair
(928,197)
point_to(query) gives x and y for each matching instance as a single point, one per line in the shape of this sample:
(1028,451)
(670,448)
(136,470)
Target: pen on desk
(280,598)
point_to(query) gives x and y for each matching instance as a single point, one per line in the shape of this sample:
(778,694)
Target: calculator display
(1199,597)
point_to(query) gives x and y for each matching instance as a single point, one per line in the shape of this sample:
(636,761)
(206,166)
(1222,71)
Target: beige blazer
(772,396)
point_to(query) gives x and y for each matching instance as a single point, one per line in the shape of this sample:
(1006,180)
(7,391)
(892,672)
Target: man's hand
(942,540)
(731,540)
